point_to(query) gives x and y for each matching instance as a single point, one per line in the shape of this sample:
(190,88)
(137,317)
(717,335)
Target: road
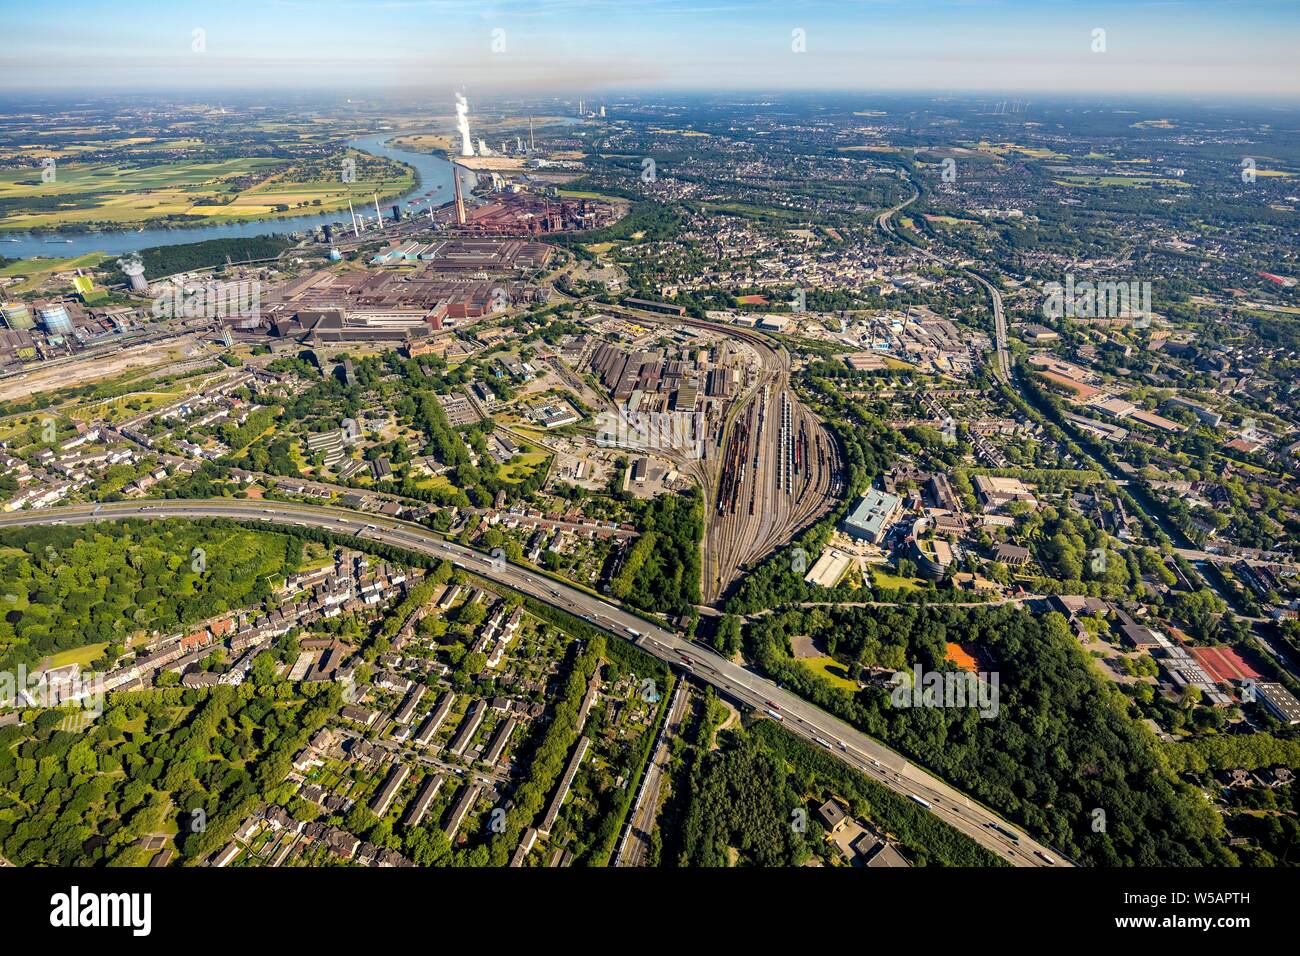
(1002,355)
(1002,370)
(733,680)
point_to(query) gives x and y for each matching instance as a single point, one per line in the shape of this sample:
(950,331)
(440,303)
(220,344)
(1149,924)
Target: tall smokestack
(462,125)
(356,233)
(460,199)
(531,144)
(379,217)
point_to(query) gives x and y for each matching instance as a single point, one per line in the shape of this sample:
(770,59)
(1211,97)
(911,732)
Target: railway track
(776,468)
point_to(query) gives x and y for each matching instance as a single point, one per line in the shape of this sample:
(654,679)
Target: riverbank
(432,185)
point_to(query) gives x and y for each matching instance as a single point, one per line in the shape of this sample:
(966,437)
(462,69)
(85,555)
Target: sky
(566,47)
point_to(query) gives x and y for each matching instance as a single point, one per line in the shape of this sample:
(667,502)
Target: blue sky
(559,46)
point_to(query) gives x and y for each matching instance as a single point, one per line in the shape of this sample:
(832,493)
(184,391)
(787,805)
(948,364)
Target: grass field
(522,466)
(424,142)
(118,409)
(1130,181)
(829,669)
(225,191)
(892,582)
(584,194)
(36,271)
(77,655)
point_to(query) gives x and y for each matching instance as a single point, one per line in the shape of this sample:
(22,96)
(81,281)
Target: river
(434,172)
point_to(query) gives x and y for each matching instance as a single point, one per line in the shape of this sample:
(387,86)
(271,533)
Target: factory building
(873,515)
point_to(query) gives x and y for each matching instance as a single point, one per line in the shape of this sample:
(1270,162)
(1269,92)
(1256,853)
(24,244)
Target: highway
(1002,356)
(735,681)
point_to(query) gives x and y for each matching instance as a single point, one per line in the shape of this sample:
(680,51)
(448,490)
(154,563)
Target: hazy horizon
(541,47)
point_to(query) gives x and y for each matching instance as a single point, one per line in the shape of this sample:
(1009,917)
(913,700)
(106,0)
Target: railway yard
(769,469)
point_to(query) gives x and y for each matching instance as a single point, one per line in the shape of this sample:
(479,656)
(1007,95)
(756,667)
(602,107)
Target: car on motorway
(773,704)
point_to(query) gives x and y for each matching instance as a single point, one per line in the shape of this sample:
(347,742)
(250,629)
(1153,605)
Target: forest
(662,570)
(67,587)
(162,261)
(1062,744)
(191,764)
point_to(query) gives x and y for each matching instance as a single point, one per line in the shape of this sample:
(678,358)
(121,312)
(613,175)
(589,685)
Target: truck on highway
(1045,858)
(632,631)
(823,741)
(924,803)
(1006,833)
(774,715)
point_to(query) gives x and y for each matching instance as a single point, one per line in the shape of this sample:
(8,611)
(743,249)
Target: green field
(522,466)
(829,669)
(1132,181)
(35,271)
(77,655)
(123,194)
(892,582)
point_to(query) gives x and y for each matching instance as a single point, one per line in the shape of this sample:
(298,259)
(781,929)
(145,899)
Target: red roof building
(1223,664)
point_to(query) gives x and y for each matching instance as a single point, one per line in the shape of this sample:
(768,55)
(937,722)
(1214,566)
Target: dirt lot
(72,373)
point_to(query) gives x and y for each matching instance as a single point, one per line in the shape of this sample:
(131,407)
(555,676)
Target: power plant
(462,125)
(133,269)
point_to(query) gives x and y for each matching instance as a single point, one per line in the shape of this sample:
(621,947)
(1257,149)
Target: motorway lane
(1002,363)
(737,682)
